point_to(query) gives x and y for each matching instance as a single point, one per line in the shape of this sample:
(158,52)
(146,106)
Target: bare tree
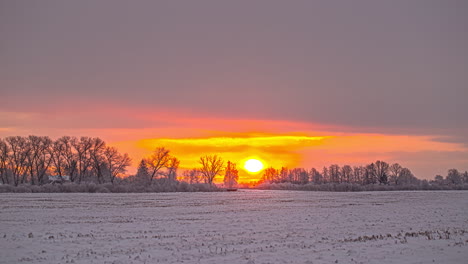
(58,157)
(39,158)
(370,174)
(334,171)
(211,165)
(17,161)
(172,166)
(270,175)
(298,176)
(158,160)
(325,175)
(192,176)
(4,154)
(346,173)
(82,148)
(381,168)
(97,158)
(116,163)
(358,174)
(70,160)
(283,175)
(315,176)
(395,170)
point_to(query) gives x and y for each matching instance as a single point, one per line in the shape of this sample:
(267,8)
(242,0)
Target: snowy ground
(248,226)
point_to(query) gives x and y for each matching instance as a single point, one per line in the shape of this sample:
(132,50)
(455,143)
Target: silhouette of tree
(211,166)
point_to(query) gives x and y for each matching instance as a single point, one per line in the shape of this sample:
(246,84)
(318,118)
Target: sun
(253,165)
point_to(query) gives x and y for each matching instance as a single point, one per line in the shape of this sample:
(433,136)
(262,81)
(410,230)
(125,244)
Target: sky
(292,83)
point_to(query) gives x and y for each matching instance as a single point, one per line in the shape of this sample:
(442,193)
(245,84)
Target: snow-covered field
(248,226)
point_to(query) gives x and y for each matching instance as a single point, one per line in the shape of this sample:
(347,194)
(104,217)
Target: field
(248,226)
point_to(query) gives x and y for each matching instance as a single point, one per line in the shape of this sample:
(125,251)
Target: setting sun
(253,165)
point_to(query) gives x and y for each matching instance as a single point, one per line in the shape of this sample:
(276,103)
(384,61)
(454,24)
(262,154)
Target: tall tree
(315,176)
(454,177)
(381,168)
(158,160)
(97,158)
(42,149)
(346,173)
(231,175)
(116,163)
(82,147)
(370,174)
(395,170)
(211,166)
(270,175)
(334,171)
(142,175)
(325,175)
(358,174)
(69,156)
(18,160)
(4,155)
(172,166)
(406,177)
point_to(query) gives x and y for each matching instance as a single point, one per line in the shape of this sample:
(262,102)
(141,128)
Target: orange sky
(190,135)
(278,143)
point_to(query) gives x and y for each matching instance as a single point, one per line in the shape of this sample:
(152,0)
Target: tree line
(379,172)
(32,159)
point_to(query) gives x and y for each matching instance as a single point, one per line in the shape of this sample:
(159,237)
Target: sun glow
(253,165)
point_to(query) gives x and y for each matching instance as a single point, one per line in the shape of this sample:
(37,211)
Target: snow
(248,226)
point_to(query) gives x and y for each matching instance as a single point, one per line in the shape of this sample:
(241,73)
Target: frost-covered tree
(231,175)
(142,175)
(211,166)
